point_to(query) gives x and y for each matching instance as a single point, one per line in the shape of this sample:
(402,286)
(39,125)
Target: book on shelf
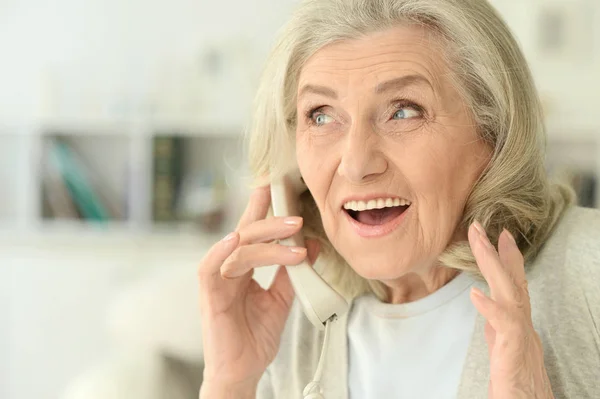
(167,173)
(57,201)
(584,183)
(72,189)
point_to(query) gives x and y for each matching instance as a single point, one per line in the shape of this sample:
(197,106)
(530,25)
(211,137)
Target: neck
(415,286)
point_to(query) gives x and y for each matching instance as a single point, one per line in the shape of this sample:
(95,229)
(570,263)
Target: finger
(511,257)
(257,208)
(267,230)
(281,289)
(499,319)
(501,285)
(208,271)
(513,260)
(247,257)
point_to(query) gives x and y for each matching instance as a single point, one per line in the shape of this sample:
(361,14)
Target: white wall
(57,294)
(570,82)
(130,47)
(123,46)
(56,312)
(5,306)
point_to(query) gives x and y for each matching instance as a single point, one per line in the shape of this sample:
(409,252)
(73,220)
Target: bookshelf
(117,157)
(120,155)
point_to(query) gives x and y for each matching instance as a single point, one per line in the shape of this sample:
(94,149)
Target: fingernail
(293,221)
(229,237)
(478,227)
(483,236)
(298,250)
(487,243)
(477,292)
(225,274)
(230,274)
(511,237)
(479,230)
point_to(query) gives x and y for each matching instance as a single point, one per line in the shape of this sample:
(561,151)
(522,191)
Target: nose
(362,158)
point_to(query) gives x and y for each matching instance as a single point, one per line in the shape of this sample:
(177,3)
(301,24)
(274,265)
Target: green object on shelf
(167,174)
(77,183)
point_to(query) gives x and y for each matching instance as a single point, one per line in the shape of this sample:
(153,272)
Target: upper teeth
(375,204)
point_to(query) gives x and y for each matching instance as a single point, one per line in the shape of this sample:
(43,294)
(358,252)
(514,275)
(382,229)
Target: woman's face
(378,119)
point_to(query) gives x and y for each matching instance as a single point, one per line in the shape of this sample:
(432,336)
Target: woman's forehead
(375,59)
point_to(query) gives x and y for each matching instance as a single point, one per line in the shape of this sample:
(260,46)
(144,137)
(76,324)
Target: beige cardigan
(564,284)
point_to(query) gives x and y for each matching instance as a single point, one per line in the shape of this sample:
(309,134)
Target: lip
(368,231)
(368,197)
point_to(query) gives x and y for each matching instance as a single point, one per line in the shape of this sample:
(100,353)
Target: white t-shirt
(412,350)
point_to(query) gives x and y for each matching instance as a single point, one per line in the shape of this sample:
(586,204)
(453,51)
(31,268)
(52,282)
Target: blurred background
(121,162)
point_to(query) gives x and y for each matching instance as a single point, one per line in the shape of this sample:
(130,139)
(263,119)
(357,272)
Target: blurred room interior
(122,161)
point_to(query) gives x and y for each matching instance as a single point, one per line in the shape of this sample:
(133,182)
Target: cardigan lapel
(335,372)
(476,371)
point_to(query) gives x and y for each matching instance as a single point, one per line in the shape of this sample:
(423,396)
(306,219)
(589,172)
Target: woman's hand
(515,350)
(242,323)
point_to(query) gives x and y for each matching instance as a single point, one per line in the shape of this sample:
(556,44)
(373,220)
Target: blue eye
(406,113)
(322,119)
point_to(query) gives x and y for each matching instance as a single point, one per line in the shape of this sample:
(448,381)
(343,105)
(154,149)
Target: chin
(379,268)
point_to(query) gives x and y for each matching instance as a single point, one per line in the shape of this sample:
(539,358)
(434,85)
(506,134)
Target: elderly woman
(418,131)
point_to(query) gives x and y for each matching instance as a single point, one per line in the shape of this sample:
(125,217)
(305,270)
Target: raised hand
(242,323)
(515,349)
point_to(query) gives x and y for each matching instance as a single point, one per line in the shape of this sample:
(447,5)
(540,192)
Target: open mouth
(377,217)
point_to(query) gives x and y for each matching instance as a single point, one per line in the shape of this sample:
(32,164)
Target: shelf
(77,233)
(557,127)
(573,128)
(83,126)
(202,127)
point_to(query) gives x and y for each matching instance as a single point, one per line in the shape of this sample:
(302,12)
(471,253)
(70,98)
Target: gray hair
(490,72)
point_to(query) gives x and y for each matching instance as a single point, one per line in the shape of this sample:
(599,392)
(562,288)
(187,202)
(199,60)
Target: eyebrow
(388,85)
(403,81)
(322,90)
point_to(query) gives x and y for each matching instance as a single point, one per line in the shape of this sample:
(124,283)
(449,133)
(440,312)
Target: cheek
(441,174)
(428,167)
(307,157)
(445,168)
(312,162)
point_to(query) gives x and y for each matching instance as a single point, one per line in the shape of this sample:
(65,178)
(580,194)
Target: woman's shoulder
(582,226)
(571,255)
(574,243)
(565,299)
(568,265)
(563,278)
